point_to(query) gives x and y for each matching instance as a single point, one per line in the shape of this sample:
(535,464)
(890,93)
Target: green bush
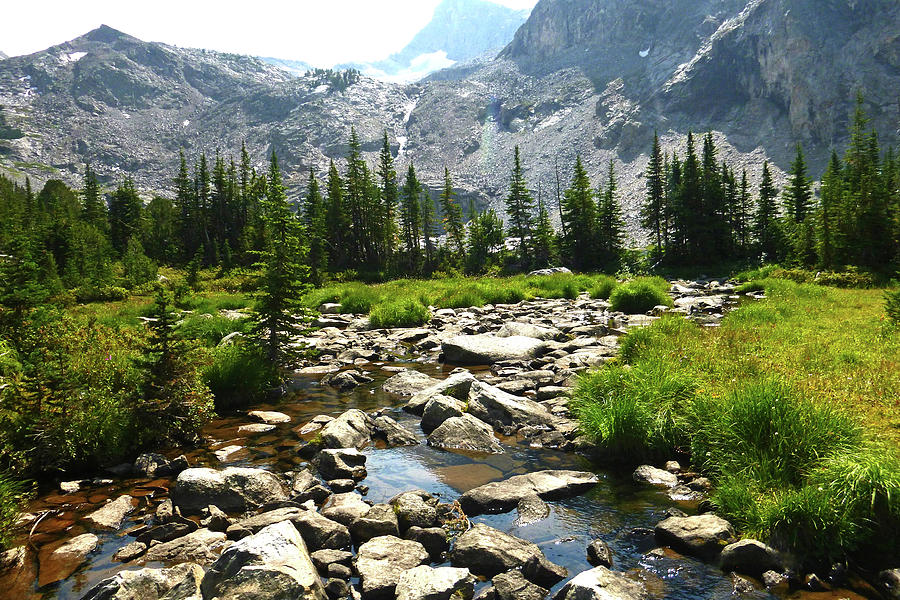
(358,299)
(638,297)
(755,285)
(462,298)
(238,375)
(210,329)
(100,294)
(12,497)
(758,273)
(401,313)
(604,287)
(892,306)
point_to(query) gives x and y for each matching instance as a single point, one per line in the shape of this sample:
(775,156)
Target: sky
(320,32)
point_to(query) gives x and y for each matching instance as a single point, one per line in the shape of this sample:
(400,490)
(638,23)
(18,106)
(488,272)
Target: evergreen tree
(653,211)
(124,215)
(711,226)
(579,214)
(485,236)
(160,227)
(188,231)
(519,205)
(94,211)
(742,217)
(831,202)
(798,194)
(427,211)
(410,217)
(543,246)
(611,227)
(314,219)
(766,226)
(689,206)
(139,269)
(390,194)
(452,220)
(336,221)
(281,315)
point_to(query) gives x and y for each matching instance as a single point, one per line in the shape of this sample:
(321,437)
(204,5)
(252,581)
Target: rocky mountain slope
(588,77)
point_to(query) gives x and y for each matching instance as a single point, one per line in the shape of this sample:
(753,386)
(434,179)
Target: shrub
(604,287)
(759,273)
(210,329)
(358,299)
(401,313)
(238,375)
(638,297)
(892,306)
(100,294)
(12,497)
(463,298)
(755,285)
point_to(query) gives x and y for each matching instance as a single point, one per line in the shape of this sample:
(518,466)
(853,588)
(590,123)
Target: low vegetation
(640,295)
(790,407)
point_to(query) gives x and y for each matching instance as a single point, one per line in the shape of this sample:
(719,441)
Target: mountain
(294,67)
(459,31)
(3,55)
(593,78)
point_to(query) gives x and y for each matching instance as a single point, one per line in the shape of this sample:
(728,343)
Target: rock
(337,588)
(503,496)
(330,308)
(353,429)
(777,582)
(262,520)
(599,554)
(254,428)
(444,583)
(166,511)
(548,271)
(273,563)
(345,508)
(341,463)
(381,562)
(514,328)
(500,409)
(433,538)
(320,532)
(393,433)
(813,583)
(342,380)
(414,509)
(152,465)
(703,535)
(549,392)
(465,433)
(456,386)
(146,584)
(653,476)
(601,584)
(487,349)
(750,557)
(531,510)
(232,489)
(129,552)
(379,520)
(438,409)
(890,582)
(60,559)
(112,514)
(741,585)
(323,558)
(408,383)
(512,585)
(201,547)
(215,519)
(489,552)
(269,417)
(167,532)
(673,466)
(340,486)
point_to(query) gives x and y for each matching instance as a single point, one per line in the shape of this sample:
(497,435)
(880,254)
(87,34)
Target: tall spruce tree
(410,218)
(94,210)
(314,219)
(390,195)
(336,221)
(611,227)
(653,210)
(452,217)
(767,233)
(519,205)
(579,215)
(426,209)
(543,245)
(124,215)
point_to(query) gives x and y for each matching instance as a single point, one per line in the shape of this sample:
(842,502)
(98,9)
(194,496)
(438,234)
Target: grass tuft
(403,313)
(638,296)
(238,376)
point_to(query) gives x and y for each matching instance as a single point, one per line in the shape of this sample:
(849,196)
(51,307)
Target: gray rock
(890,582)
(500,409)
(393,433)
(112,514)
(269,417)
(342,380)
(741,585)
(129,552)
(653,476)
(167,531)
(339,486)
(600,583)
(166,511)
(750,557)
(465,433)
(201,547)
(150,464)
(353,429)
(599,554)
(433,538)
(337,588)
(512,585)
(487,349)
(776,582)
(444,583)
(408,383)
(382,561)
(321,533)
(456,386)
(531,510)
(273,563)
(61,559)
(380,520)
(232,489)
(514,328)
(215,519)
(414,509)
(345,508)
(323,558)
(438,409)
(341,463)
(143,584)
(489,552)
(703,535)
(502,496)
(549,271)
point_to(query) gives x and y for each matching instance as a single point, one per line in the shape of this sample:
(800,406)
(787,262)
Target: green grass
(210,329)
(790,407)
(12,497)
(238,375)
(640,295)
(402,313)
(603,287)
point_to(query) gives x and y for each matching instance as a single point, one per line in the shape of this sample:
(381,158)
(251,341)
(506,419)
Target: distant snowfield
(72,57)
(419,67)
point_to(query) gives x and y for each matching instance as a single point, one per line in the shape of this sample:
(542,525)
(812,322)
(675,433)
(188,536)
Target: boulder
(514,328)
(112,514)
(353,429)
(394,433)
(167,531)
(414,509)
(146,584)
(486,349)
(438,409)
(512,585)
(654,476)
(201,547)
(456,386)
(531,510)
(889,580)
(703,536)
(320,532)
(500,409)
(489,552)
(433,538)
(379,520)
(341,463)
(273,563)
(345,508)
(150,464)
(269,417)
(382,561)
(599,554)
(549,271)
(465,433)
(60,559)
(503,496)
(443,583)
(750,557)
(601,584)
(129,552)
(323,558)
(408,383)
(233,489)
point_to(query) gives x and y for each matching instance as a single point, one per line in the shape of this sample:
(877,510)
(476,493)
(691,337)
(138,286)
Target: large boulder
(515,328)
(233,489)
(654,476)
(112,514)
(601,584)
(320,532)
(512,585)
(353,429)
(341,463)
(443,583)
(750,557)
(144,584)
(456,386)
(345,508)
(465,433)
(202,547)
(489,552)
(500,409)
(393,433)
(486,349)
(380,520)
(503,496)
(408,382)
(438,409)
(381,561)
(273,563)
(60,559)
(414,509)
(703,536)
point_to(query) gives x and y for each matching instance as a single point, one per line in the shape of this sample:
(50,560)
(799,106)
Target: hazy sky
(321,32)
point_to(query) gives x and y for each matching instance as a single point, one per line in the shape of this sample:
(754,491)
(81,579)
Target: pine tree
(314,219)
(652,213)
(579,215)
(281,315)
(519,205)
(124,215)
(188,232)
(831,201)
(390,194)
(711,227)
(336,221)
(798,194)
(611,227)
(743,216)
(452,220)
(689,211)
(94,211)
(410,221)
(485,235)
(426,209)
(766,226)
(543,247)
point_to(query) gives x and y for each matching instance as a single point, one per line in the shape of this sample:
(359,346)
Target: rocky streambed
(430,463)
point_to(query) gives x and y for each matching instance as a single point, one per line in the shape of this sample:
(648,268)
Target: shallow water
(616,510)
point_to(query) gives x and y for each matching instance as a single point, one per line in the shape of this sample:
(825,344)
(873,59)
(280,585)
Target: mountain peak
(106,34)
